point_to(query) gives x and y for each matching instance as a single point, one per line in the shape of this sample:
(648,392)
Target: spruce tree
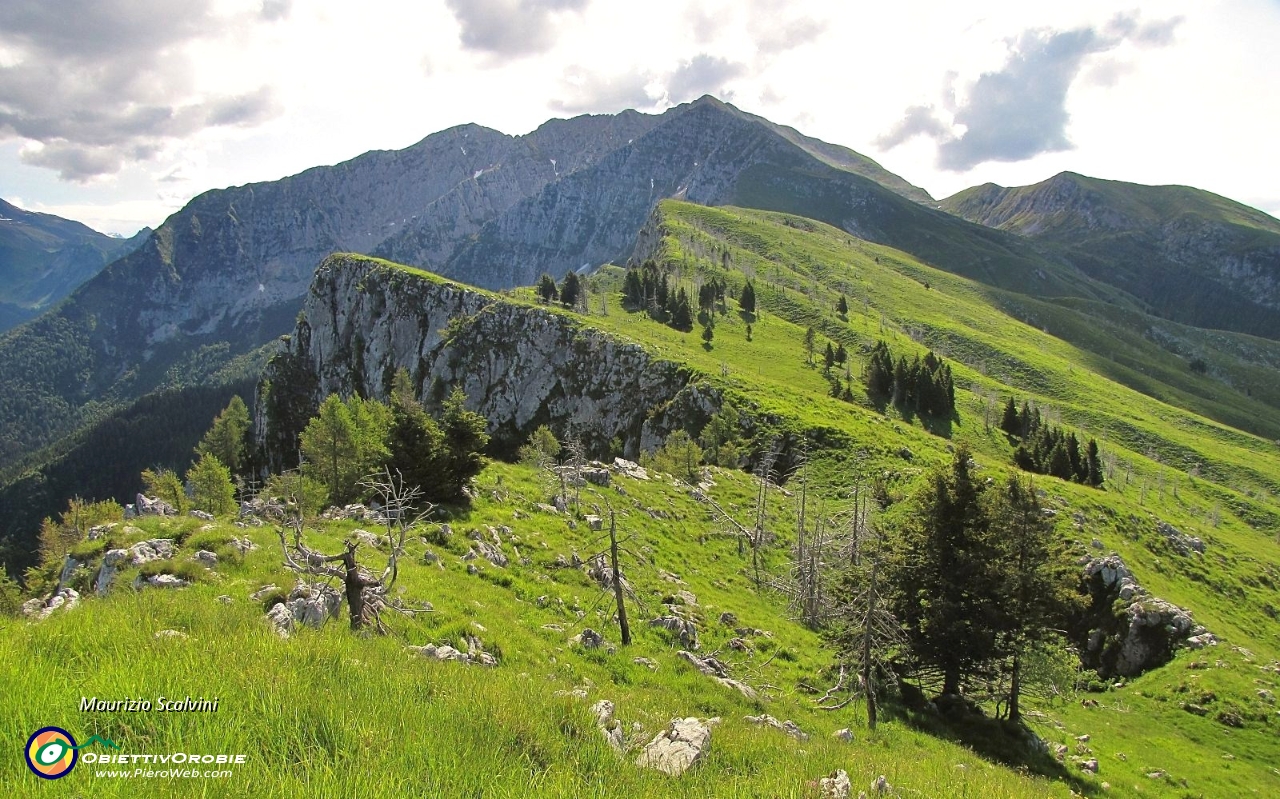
(747,301)
(1092,466)
(1010,423)
(842,306)
(944,576)
(570,289)
(227,440)
(547,290)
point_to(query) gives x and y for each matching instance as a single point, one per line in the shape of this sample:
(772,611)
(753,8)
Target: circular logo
(51,752)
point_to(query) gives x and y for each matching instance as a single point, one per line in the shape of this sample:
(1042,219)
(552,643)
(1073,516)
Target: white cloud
(264,89)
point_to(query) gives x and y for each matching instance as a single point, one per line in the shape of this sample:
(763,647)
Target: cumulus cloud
(95,84)
(1020,110)
(510,28)
(702,74)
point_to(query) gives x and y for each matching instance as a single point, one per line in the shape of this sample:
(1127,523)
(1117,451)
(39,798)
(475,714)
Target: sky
(117,112)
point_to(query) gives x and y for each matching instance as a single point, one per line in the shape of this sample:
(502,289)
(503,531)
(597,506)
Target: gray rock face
(61,599)
(835,786)
(679,747)
(1141,636)
(718,671)
(1181,542)
(147,551)
(788,726)
(146,506)
(111,563)
(686,632)
(519,366)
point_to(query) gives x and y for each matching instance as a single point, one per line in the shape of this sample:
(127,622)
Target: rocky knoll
(520,366)
(1131,630)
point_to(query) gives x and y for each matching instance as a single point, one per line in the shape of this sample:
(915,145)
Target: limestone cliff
(520,365)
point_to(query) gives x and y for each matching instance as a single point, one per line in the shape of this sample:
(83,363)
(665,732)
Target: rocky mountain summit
(1192,256)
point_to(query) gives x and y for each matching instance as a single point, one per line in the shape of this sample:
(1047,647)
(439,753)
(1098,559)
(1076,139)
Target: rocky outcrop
(1130,630)
(520,366)
(679,747)
(309,605)
(112,561)
(40,609)
(718,671)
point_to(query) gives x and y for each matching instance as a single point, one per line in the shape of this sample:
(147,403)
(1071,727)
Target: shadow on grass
(996,740)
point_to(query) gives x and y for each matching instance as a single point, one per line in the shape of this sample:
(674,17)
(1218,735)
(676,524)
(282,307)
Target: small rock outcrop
(475,654)
(147,551)
(159,581)
(40,609)
(308,605)
(679,747)
(1182,543)
(112,561)
(609,727)
(718,671)
(1132,631)
(835,786)
(685,631)
(146,506)
(788,726)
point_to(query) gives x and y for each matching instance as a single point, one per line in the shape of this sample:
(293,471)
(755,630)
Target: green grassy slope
(328,713)
(331,714)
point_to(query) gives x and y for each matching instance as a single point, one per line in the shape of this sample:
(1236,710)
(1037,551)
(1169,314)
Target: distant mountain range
(226,274)
(1189,255)
(43,258)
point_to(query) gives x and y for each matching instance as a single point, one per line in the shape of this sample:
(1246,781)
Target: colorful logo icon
(51,752)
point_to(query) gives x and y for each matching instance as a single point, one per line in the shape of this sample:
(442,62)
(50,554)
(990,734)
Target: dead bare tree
(366,594)
(757,535)
(869,635)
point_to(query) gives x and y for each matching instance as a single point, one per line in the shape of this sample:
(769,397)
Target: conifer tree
(547,288)
(747,301)
(1010,423)
(842,306)
(570,289)
(227,439)
(945,578)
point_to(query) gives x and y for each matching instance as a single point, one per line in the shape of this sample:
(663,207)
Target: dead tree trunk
(617,581)
(867,625)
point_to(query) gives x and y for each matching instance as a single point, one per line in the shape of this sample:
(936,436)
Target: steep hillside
(43,258)
(1190,255)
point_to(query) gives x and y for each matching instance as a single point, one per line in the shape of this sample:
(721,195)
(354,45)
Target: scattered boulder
(686,632)
(788,726)
(225,599)
(629,469)
(147,551)
(488,551)
(835,786)
(728,619)
(146,506)
(101,530)
(1090,765)
(609,727)
(159,581)
(594,522)
(1182,543)
(170,634)
(845,735)
(717,670)
(307,604)
(881,785)
(679,747)
(206,558)
(648,663)
(39,609)
(596,475)
(598,569)
(589,638)
(475,654)
(200,514)
(368,539)
(261,593)
(243,545)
